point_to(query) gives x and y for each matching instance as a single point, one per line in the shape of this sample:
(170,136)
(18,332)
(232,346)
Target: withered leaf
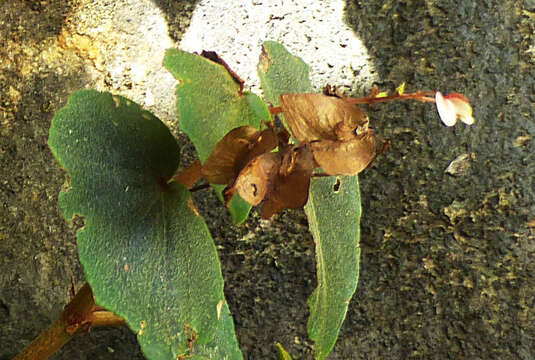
(190,175)
(258,177)
(345,157)
(321,117)
(234,151)
(290,188)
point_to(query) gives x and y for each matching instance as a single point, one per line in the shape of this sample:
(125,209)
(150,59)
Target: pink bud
(453,106)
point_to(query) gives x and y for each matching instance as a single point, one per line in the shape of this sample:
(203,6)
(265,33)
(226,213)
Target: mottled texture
(447,269)
(447,262)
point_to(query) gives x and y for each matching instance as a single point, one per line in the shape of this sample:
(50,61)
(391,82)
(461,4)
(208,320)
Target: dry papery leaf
(258,177)
(337,131)
(321,117)
(234,151)
(282,179)
(345,157)
(290,188)
(333,133)
(190,175)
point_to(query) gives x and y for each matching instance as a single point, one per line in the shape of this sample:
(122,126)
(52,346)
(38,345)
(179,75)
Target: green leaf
(147,256)
(210,105)
(333,212)
(280,72)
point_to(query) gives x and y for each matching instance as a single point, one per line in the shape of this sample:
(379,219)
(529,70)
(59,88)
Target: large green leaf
(146,254)
(333,212)
(210,105)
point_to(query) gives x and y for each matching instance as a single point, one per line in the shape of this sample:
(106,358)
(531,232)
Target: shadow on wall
(178,15)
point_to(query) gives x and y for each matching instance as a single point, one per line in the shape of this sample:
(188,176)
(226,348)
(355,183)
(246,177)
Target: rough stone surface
(447,264)
(312,30)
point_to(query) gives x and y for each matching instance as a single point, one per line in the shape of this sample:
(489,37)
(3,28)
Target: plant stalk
(80,314)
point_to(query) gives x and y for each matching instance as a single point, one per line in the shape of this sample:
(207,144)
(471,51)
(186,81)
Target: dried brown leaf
(190,175)
(321,117)
(258,177)
(290,188)
(234,151)
(345,157)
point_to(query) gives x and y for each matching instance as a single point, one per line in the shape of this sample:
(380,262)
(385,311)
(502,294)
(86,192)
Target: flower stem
(423,96)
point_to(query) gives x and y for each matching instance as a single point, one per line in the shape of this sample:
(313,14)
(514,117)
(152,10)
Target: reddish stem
(275,110)
(422,96)
(79,315)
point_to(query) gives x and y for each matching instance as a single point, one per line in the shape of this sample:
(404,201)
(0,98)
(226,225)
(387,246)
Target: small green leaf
(283,354)
(147,256)
(210,105)
(333,212)
(400,90)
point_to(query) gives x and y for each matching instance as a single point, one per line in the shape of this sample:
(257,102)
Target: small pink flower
(453,106)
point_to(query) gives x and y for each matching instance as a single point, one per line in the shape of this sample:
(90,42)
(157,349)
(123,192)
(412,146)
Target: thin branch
(79,315)
(423,96)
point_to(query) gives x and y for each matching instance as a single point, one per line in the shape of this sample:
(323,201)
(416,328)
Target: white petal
(463,109)
(446,110)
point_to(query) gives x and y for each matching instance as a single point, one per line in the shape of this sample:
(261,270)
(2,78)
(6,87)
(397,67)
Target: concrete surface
(447,264)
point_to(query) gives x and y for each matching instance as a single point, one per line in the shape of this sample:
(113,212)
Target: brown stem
(79,315)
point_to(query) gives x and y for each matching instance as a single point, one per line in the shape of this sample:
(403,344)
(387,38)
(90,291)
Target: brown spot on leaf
(265,61)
